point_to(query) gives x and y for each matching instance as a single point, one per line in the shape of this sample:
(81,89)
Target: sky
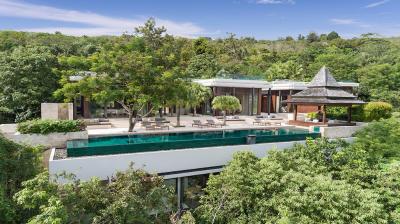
(261,19)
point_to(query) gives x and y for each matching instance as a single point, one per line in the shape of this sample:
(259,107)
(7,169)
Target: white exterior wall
(340,131)
(159,162)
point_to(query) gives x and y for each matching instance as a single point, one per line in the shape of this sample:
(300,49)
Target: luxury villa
(255,96)
(185,157)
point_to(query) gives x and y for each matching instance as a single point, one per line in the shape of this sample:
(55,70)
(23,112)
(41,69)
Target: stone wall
(8,128)
(57,111)
(57,140)
(340,131)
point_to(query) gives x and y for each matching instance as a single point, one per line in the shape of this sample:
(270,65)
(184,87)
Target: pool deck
(120,126)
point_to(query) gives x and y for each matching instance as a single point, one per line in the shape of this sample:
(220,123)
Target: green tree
(332,35)
(290,186)
(226,104)
(196,95)
(288,70)
(133,197)
(342,63)
(380,82)
(18,163)
(27,80)
(203,66)
(178,91)
(152,35)
(312,37)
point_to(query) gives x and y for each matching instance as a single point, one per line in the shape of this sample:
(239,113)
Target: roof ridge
(323,79)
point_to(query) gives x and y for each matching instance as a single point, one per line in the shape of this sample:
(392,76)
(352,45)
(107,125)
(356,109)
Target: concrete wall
(8,128)
(340,131)
(57,111)
(57,140)
(159,162)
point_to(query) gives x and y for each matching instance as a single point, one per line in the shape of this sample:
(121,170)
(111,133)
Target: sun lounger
(257,121)
(275,122)
(150,127)
(161,125)
(198,124)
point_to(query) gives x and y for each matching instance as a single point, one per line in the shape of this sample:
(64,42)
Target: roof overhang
(236,83)
(295,85)
(324,101)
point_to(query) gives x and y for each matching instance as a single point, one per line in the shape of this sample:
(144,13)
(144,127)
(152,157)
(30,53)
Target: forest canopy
(41,62)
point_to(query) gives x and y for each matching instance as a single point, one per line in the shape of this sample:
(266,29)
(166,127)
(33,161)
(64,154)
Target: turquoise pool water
(170,141)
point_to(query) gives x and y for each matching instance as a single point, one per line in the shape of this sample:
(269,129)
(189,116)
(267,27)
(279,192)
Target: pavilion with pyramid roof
(323,91)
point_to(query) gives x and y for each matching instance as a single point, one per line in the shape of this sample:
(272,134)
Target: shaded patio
(323,91)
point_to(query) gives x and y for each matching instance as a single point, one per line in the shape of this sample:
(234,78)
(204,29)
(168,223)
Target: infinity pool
(170,141)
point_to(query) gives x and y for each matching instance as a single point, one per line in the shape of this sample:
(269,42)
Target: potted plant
(312,116)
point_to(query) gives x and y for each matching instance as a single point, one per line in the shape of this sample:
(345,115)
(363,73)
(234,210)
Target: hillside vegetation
(41,62)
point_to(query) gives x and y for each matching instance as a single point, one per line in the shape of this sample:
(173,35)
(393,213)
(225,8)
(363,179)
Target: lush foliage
(45,127)
(227,104)
(312,115)
(17,164)
(320,182)
(26,80)
(133,197)
(43,62)
(377,110)
(381,140)
(368,112)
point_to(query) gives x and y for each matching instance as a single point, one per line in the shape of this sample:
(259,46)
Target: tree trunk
(131,123)
(105,111)
(178,116)
(160,111)
(224,113)
(194,112)
(136,115)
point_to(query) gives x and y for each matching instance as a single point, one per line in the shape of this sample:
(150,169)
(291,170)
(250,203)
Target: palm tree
(196,95)
(226,104)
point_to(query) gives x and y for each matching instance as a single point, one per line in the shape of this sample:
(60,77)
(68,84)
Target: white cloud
(275,1)
(343,21)
(375,4)
(99,24)
(349,22)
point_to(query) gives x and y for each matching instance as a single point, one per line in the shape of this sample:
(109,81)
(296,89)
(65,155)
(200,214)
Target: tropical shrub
(134,196)
(18,163)
(45,127)
(377,110)
(368,112)
(302,184)
(380,139)
(312,115)
(226,104)
(339,113)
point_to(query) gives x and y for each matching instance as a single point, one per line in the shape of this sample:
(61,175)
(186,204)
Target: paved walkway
(120,125)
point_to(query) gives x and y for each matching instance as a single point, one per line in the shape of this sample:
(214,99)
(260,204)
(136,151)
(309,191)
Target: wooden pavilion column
(324,114)
(349,114)
(295,112)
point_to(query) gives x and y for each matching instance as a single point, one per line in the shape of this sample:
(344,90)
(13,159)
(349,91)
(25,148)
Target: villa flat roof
(237,83)
(264,85)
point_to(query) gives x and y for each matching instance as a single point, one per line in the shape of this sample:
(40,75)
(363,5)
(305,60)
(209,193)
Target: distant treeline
(29,61)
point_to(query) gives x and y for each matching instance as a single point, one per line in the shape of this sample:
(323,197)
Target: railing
(6,118)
